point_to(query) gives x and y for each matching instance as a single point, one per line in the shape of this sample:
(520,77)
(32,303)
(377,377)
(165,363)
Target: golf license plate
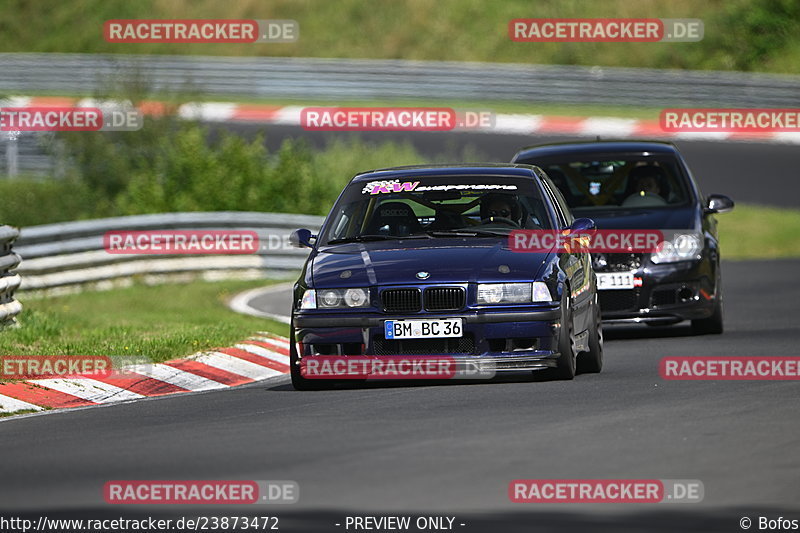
(614,280)
(423,329)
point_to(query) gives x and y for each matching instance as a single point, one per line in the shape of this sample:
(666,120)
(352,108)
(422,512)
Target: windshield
(426,207)
(622,182)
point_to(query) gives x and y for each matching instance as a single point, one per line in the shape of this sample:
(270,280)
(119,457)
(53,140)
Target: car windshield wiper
(467,233)
(367,238)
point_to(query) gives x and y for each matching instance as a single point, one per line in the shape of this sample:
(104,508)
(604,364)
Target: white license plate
(423,329)
(614,280)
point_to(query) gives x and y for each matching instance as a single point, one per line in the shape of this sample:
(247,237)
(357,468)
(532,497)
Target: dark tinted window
(630,182)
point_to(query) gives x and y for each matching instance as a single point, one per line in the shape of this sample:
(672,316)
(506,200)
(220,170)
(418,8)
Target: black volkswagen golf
(644,185)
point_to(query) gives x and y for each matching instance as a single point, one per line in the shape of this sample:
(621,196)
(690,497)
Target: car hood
(399,262)
(659,218)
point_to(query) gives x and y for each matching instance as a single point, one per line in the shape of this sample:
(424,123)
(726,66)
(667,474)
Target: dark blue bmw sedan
(415,261)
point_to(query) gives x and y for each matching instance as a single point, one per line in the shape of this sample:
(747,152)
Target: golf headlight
(512,293)
(682,247)
(334,298)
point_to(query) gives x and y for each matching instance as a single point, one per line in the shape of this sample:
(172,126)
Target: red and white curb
(607,127)
(260,357)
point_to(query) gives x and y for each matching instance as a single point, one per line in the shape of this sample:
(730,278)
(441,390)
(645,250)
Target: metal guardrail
(26,152)
(60,256)
(336,79)
(9,280)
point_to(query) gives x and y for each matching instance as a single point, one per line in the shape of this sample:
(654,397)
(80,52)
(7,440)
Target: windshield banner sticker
(393,186)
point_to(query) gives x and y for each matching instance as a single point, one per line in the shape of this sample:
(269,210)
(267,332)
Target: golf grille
(664,297)
(619,300)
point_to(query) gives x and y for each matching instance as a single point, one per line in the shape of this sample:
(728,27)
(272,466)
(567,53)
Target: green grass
(158,322)
(759,232)
(750,35)
(22,412)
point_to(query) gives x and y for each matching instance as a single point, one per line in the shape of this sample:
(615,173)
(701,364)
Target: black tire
(298,381)
(565,367)
(712,325)
(591,362)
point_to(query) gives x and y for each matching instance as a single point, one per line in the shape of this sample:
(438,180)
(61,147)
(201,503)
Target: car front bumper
(669,293)
(496,340)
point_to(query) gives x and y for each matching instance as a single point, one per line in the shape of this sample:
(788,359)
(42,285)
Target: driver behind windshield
(647,189)
(496,206)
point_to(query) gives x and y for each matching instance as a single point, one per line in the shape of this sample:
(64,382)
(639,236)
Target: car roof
(479,169)
(596,147)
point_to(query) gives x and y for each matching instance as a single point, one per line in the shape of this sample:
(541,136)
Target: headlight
(329,298)
(356,297)
(682,247)
(512,293)
(334,298)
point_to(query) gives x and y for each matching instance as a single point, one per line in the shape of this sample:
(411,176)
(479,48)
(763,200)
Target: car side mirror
(718,203)
(583,224)
(301,238)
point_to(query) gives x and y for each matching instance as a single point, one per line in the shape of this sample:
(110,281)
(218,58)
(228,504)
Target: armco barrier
(339,79)
(72,253)
(9,280)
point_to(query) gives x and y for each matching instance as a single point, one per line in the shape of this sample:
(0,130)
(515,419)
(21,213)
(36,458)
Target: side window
(341,226)
(563,204)
(560,206)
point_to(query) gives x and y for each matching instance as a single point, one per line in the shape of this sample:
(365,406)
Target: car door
(576,264)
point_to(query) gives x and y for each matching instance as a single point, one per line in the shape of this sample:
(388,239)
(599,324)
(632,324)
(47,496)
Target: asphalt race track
(757,173)
(452,449)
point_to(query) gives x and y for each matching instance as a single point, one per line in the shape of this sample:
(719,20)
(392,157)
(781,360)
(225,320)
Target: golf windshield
(618,183)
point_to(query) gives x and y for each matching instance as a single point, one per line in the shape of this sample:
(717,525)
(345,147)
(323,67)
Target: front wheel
(565,365)
(591,362)
(298,381)
(713,324)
